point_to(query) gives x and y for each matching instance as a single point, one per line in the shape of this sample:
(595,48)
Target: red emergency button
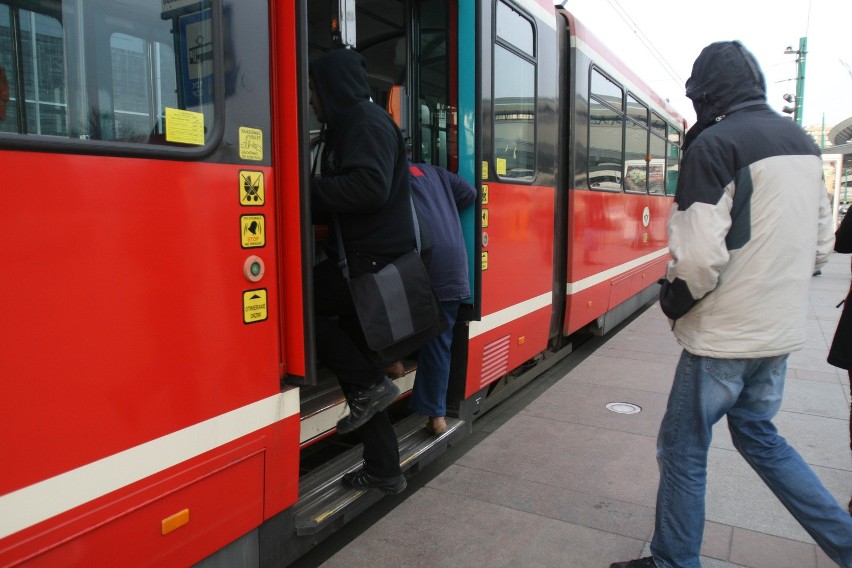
(253,268)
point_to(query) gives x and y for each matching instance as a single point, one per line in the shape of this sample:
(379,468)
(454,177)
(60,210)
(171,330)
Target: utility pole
(799,99)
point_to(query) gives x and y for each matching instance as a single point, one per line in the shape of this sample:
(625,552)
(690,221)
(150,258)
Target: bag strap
(344,265)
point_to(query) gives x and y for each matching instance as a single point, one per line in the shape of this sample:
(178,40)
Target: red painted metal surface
(127,308)
(222,491)
(608,239)
(127,313)
(518,230)
(520,244)
(287,164)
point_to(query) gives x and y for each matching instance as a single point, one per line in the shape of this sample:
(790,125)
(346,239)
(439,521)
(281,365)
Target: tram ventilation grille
(495,360)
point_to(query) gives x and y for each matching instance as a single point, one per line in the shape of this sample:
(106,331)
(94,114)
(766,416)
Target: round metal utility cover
(623,407)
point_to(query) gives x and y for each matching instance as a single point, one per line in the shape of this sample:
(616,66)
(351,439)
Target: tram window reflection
(109,71)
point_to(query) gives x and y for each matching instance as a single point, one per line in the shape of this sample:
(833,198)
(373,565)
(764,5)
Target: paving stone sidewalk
(567,483)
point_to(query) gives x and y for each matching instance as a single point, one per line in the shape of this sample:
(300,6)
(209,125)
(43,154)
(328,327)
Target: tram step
(323,499)
(323,405)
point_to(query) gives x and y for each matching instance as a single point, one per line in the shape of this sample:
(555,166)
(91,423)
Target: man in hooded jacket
(750,224)
(364,183)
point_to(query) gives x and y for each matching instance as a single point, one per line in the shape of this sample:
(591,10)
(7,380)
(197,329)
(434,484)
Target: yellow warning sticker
(252,231)
(184,126)
(484,261)
(484,194)
(484,218)
(252,191)
(484,169)
(501,166)
(251,143)
(254,306)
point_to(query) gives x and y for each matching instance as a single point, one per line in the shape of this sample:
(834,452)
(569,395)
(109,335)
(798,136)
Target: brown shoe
(395,370)
(436,425)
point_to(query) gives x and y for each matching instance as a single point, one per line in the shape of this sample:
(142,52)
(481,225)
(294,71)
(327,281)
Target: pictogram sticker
(252,189)
(484,218)
(485,194)
(485,261)
(254,306)
(252,231)
(251,143)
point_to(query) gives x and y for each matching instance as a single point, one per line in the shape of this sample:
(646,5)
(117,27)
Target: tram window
(635,154)
(109,70)
(606,133)
(515,29)
(8,113)
(437,117)
(656,167)
(514,96)
(637,111)
(672,159)
(139,94)
(42,106)
(658,125)
(514,115)
(604,89)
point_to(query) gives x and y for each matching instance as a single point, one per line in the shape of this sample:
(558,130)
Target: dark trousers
(342,348)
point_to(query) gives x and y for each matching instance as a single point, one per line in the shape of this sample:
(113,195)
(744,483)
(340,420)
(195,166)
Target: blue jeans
(749,392)
(429,396)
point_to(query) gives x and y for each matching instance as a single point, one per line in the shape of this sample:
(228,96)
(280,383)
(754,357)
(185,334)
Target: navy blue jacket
(439,195)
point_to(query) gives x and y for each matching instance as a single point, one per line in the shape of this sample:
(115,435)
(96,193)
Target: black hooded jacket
(364,167)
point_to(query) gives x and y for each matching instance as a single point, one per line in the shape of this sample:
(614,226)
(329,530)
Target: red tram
(162,404)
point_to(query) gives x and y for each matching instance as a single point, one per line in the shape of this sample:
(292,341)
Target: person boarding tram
(364,182)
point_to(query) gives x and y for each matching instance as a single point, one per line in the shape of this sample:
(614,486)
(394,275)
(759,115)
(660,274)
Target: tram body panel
(170,516)
(160,254)
(609,241)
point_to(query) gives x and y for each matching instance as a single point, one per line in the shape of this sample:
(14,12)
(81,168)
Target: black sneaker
(362,480)
(647,562)
(364,404)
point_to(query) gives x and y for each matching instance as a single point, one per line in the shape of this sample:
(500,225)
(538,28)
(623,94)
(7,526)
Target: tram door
(411,68)
(406,47)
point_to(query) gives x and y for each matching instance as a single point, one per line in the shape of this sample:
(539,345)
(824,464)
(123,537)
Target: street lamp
(798,99)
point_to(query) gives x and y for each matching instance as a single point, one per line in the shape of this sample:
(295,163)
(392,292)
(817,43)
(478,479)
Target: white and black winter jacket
(751,220)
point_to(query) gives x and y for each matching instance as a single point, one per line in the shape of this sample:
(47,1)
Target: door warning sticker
(252,191)
(254,306)
(251,143)
(252,231)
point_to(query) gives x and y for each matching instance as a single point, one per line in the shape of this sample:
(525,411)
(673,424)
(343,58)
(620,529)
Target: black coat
(364,167)
(840,354)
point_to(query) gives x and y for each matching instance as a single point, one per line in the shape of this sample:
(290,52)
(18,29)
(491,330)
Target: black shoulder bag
(397,306)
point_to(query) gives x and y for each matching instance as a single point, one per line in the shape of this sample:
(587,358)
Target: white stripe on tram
(595,279)
(506,315)
(45,499)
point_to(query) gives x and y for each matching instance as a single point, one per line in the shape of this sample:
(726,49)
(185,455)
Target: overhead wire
(646,41)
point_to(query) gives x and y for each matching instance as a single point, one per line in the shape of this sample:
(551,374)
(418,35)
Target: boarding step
(323,404)
(323,499)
